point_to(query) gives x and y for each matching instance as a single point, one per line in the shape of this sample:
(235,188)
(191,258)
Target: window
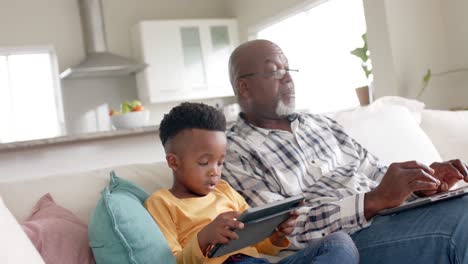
(318,42)
(30,95)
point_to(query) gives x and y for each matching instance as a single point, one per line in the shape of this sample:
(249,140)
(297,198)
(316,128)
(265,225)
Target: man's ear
(172,161)
(242,88)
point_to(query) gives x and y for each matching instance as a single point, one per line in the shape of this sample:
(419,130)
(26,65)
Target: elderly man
(274,153)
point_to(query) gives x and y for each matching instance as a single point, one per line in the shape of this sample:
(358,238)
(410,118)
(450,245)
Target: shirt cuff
(191,253)
(266,247)
(352,209)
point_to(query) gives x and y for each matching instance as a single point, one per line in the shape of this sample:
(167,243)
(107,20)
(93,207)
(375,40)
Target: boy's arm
(271,245)
(191,253)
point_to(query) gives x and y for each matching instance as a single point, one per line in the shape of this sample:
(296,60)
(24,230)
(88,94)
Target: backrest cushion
(58,235)
(449,132)
(122,231)
(79,192)
(391,132)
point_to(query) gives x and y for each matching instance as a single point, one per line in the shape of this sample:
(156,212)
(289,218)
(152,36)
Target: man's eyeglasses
(278,74)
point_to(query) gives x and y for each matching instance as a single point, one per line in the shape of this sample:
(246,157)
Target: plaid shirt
(318,159)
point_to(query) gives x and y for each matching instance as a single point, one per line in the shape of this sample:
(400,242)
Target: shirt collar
(257,135)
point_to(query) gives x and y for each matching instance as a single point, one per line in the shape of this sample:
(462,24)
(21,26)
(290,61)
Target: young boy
(200,210)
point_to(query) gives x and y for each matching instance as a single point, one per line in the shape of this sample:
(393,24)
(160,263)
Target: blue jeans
(337,248)
(431,234)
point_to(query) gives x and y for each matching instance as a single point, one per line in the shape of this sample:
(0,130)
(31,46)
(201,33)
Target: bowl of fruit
(131,115)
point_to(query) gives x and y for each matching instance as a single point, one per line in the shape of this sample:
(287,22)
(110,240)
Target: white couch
(394,129)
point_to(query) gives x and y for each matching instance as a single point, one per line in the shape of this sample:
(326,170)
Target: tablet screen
(259,223)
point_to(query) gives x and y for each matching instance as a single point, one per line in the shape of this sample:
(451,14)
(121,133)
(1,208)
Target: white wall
(121,15)
(453,87)
(39,23)
(418,41)
(409,37)
(378,38)
(87,101)
(456,26)
(57,22)
(98,95)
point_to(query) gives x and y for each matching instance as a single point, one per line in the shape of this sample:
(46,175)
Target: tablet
(259,223)
(427,200)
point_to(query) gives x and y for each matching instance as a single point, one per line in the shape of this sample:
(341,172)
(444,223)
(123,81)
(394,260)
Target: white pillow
(448,131)
(15,245)
(390,132)
(415,107)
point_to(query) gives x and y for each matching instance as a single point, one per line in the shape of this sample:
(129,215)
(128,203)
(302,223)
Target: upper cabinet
(187,59)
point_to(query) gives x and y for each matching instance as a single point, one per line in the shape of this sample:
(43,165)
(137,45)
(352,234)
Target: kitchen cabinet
(187,59)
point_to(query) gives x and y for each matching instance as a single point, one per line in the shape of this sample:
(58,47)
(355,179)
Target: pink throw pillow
(58,235)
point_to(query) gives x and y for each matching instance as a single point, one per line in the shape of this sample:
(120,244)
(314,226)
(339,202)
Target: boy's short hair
(189,116)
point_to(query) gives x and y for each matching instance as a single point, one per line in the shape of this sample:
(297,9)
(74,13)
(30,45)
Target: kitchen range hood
(99,61)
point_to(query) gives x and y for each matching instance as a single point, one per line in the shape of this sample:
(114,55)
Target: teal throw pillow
(122,231)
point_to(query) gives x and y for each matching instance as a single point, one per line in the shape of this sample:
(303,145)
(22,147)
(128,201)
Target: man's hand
(400,180)
(449,173)
(219,230)
(284,229)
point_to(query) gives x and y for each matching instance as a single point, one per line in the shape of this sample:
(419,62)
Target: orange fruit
(138,108)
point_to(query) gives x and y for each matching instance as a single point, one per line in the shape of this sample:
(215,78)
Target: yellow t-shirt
(180,220)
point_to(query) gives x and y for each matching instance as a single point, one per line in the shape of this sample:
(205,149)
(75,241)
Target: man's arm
(320,218)
(374,200)
(399,182)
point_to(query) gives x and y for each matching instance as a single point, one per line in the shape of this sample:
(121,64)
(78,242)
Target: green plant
(424,82)
(363,53)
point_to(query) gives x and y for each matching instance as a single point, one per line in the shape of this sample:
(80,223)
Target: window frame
(50,50)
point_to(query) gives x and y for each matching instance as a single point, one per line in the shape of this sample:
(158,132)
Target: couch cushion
(58,235)
(449,132)
(14,244)
(390,132)
(122,231)
(78,192)
(414,107)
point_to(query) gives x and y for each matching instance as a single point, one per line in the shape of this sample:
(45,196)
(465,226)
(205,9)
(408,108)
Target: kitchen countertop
(78,137)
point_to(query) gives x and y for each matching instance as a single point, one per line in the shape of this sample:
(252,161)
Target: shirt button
(312,161)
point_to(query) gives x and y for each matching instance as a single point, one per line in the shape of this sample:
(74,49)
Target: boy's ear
(172,160)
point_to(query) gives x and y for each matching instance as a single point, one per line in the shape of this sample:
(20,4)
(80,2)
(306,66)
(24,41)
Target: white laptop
(427,200)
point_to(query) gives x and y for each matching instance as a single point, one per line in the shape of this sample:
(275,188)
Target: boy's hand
(220,230)
(284,229)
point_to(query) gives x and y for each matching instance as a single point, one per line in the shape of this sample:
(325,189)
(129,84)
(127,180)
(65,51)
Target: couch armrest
(15,245)
(448,131)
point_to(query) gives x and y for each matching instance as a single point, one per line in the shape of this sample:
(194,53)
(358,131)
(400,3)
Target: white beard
(283,110)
